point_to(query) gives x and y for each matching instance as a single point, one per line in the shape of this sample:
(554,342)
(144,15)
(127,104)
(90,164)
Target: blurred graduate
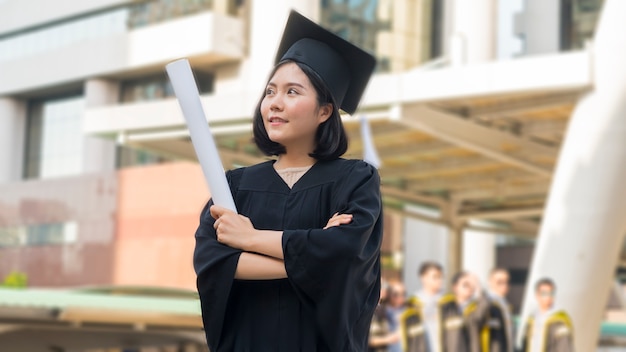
(463,315)
(421,323)
(298,268)
(548,329)
(500,323)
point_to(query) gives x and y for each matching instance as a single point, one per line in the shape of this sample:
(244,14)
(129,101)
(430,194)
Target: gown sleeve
(337,271)
(215,265)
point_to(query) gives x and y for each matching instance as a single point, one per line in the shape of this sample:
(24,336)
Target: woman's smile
(277,121)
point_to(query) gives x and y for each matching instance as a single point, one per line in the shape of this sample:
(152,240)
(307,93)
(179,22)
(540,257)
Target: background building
(98,181)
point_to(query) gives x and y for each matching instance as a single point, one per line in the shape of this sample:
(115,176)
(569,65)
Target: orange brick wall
(157,215)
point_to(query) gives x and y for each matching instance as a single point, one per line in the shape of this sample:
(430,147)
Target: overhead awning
(34,319)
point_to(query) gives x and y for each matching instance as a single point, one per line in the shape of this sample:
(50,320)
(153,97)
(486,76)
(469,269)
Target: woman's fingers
(232,229)
(338,219)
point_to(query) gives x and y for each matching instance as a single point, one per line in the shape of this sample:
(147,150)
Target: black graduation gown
(500,327)
(333,284)
(463,331)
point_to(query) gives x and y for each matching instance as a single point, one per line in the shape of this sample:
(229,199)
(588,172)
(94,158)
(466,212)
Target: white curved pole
(585,216)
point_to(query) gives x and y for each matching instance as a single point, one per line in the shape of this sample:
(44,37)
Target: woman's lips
(276,121)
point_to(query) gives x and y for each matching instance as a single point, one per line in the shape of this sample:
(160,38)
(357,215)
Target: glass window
(12,236)
(128,156)
(38,235)
(236,7)
(33,141)
(44,234)
(356,21)
(402,34)
(112,21)
(58,35)
(158,87)
(156,11)
(578,22)
(435,29)
(509,43)
(54,138)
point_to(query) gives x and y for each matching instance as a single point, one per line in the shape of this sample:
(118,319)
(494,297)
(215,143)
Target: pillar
(99,153)
(584,223)
(12,141)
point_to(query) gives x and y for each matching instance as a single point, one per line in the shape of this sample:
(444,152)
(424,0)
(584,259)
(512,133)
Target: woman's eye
(292,91)
(269,91)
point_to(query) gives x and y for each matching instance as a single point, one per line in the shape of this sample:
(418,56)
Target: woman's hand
(232,229)
(338,219)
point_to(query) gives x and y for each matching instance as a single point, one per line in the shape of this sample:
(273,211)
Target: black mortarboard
(344,67)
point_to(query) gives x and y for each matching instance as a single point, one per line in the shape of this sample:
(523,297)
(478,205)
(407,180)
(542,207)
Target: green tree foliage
(15,279)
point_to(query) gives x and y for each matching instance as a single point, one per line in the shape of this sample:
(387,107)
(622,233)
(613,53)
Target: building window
(39,235)
(12,236)
(402,34)
(54,138)
(578,22)
(158,87)
(435,29)
(92,26)
(156,11)
(127,157)
(236,7)
(58,35)
(358,21)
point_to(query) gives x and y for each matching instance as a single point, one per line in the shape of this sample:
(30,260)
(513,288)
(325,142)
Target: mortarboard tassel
(370,155)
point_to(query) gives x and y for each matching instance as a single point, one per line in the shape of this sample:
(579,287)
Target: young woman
(298,268)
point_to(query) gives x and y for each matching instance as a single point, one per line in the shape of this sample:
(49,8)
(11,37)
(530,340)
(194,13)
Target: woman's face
(464,289)
(432,280)
(290,111)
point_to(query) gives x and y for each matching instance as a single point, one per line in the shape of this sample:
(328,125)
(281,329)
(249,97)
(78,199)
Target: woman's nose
(276,103)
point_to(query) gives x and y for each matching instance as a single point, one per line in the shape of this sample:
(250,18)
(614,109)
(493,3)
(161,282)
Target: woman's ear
(325,112)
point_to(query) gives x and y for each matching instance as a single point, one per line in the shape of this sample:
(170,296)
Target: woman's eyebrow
(288,84)
(295,84)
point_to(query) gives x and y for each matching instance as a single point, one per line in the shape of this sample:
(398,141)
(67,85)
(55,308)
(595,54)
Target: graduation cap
(344,67)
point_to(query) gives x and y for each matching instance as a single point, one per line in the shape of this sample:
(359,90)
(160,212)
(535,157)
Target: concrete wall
(422,241)
(539,26)
(134,227)
(86,204)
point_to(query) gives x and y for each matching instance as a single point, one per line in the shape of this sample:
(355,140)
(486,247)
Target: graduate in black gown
(298,268)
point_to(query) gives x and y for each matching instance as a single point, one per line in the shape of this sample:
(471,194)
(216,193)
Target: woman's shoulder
(353,165)
(349,173)
(235,176)
(251,169)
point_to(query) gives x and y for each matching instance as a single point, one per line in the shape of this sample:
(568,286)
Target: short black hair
(427,265)
(498,269)
(545,281)
(331,137)
(458,276)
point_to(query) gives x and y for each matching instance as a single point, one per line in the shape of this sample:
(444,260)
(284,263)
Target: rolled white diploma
(186,91)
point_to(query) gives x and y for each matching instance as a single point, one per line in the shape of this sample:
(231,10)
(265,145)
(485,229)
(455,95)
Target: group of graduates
(467,319)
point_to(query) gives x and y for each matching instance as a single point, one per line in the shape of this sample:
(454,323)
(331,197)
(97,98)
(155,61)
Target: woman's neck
(288,160)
